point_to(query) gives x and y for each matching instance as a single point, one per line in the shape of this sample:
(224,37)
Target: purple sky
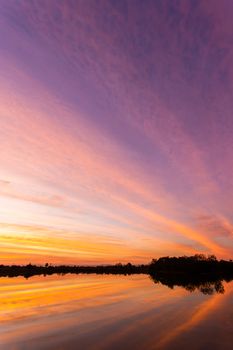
(116,123)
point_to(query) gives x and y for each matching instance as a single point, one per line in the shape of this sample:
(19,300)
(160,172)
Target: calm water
(111,312)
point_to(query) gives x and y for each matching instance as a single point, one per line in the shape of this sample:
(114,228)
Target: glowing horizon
(115,130)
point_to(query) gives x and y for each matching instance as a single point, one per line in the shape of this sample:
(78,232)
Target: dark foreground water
(112,312)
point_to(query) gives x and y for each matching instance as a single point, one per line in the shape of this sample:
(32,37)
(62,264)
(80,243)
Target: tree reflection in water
(205,285)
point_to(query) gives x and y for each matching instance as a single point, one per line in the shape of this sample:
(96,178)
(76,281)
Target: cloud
(215,225)
(118,120)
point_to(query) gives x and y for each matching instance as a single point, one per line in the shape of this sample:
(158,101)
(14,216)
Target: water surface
(111,312)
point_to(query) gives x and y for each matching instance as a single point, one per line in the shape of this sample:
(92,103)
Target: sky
(116,123)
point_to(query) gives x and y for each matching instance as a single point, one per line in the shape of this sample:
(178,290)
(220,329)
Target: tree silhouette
(196,272)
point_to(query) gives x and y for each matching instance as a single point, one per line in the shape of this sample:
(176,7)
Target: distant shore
(189,266)
(198,272)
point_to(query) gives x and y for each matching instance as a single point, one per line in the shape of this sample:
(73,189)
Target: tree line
(201,272)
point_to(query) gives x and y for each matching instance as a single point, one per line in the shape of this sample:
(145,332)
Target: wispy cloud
(113,122)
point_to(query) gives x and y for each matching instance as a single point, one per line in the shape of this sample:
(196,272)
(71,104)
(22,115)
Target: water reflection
(113,312)
(201,283)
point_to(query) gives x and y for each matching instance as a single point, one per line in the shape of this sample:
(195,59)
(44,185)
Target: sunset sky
(116,130)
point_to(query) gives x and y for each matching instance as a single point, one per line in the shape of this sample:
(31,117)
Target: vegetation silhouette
(205,284)
(197,272)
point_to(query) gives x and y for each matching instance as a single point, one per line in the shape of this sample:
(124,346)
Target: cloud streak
(108,129)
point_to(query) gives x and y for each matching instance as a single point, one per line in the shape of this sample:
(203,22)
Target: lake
(111,312)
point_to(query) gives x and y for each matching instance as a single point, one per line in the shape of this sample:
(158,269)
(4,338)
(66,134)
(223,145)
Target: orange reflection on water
(198,315)
(99,312)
